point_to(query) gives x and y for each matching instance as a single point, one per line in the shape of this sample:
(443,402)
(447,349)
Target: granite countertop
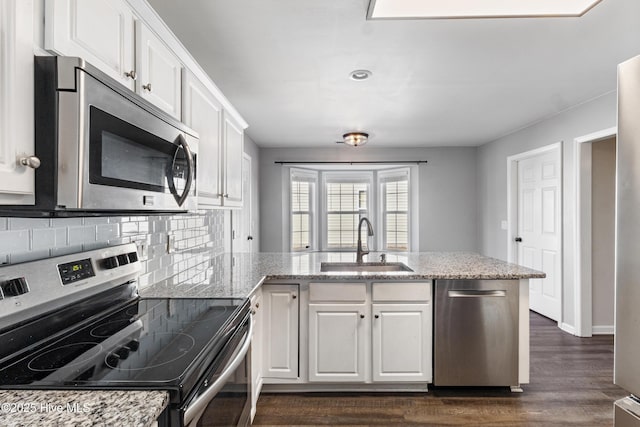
(239,275)
(25,408)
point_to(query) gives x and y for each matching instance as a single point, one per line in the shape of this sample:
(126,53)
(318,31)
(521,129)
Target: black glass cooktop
(147,343)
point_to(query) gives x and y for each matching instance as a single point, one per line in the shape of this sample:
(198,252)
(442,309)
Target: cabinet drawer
(337,292)
(401,291)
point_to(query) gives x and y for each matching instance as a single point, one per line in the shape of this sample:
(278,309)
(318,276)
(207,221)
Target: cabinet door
(100,31)
(203,113)
(256,350)
(17,184)
(401,342)
(337,342)
(159,71)
(233,148)
(280,346)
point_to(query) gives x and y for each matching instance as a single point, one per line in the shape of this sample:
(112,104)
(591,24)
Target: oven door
(130,157)
(224,395)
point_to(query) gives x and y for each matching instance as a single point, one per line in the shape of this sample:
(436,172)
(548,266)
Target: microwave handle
(183,143)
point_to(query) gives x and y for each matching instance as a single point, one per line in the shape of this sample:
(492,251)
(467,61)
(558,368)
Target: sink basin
(369,267)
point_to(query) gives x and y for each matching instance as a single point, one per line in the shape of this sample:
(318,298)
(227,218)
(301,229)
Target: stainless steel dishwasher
(476,333)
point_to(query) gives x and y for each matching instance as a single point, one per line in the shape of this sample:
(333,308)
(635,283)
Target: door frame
(582,229)
(512,211)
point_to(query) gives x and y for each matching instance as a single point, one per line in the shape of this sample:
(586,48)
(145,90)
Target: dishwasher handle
(473,293)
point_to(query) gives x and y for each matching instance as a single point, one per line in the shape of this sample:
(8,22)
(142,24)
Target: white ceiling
(285,64)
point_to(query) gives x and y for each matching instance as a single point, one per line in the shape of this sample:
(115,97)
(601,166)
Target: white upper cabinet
(203,113)
(100,31)
(17,185)
(159,71)
(233,149)
(109,36)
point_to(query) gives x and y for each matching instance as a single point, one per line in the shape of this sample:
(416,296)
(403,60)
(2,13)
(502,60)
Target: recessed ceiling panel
(443,9)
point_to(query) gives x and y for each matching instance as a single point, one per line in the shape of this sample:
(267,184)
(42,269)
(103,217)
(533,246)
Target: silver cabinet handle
(476,294)
(131,74)
(147,87)
(32,161)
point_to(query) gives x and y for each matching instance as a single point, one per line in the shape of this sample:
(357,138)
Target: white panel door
(280,326)
(337,342)
(539,228)
(159,72)
(203,113)
(17,183)
(100,31)
(401,342)
(233,148)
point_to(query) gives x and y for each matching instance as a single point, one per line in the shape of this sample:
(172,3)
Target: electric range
(77,322)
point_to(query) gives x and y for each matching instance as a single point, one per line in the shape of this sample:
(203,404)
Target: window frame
(395,175)
(326,177)
(311,176)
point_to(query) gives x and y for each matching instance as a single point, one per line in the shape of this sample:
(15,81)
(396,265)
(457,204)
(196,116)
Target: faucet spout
(360,252)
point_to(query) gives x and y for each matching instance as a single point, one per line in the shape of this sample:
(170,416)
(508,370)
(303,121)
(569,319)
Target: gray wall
(603,199)
(447,192)
(581,120)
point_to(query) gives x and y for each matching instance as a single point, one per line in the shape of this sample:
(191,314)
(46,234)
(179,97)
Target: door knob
(32,161)
(518,239)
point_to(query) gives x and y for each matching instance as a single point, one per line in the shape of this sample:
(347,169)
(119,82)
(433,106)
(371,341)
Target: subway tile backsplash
(28,239)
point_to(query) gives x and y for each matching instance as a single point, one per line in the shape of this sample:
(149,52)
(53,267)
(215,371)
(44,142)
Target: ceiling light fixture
(359,75)
(447,9)
(355,138)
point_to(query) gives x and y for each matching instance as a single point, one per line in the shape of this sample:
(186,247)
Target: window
(395,213)
(346,204)
(302,194)
(327,205)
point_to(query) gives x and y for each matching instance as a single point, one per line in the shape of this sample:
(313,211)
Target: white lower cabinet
(281,333)
(401,342)
(337,342)
(370,332)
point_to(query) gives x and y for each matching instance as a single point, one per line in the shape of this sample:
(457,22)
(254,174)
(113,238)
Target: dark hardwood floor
(571,385)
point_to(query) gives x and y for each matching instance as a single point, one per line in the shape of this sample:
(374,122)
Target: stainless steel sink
(373,267)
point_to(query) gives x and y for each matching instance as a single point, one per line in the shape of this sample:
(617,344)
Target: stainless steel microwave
(102,149)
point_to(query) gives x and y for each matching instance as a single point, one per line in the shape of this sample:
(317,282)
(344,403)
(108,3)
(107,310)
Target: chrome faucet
(360,252)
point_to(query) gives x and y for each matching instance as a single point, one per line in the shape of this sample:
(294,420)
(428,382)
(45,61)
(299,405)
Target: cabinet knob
(362,316)
(32,161)
(132,75)
(147,87)
(377,316)
(253,312)
(257,305)
(518,239)
(294,296)
(226,196)
(249,237)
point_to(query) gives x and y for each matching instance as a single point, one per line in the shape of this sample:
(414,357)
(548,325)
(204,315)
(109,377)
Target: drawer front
(402,291)
(337,292)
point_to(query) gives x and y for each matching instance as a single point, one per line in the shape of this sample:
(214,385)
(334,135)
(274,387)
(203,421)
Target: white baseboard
(570,329)
(603,329)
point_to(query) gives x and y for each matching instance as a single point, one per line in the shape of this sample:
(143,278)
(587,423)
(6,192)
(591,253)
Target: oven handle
(196,409)
(182,141)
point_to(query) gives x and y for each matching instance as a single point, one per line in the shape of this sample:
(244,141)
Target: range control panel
(76,270)
(32,288)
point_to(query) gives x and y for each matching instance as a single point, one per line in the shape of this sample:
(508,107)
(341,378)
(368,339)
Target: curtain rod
(355,162)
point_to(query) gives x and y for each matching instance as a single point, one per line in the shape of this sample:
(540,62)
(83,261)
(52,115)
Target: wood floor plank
(571,385)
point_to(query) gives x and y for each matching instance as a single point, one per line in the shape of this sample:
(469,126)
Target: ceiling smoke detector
(355,138)
(359,75)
